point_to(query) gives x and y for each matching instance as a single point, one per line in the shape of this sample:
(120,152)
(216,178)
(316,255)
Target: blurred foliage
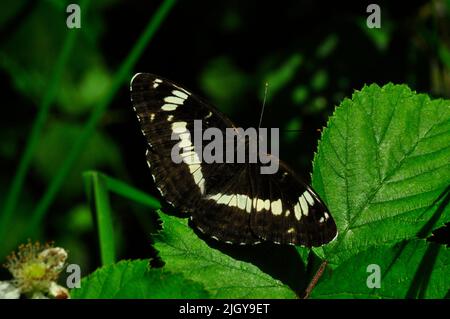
(280,76)
(30,72)
(380,37)
(310,55)
(100,151)
(219,73)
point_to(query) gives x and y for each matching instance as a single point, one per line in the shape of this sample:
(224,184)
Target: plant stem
(121,76)
(315,279)
(131,193)
(98,197)
(16,187)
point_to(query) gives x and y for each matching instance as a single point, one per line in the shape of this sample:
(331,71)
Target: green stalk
(133,194)
(98,197)
(98,186)
(121,76)
(16,187)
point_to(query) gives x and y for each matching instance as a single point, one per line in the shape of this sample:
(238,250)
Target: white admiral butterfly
(230,202)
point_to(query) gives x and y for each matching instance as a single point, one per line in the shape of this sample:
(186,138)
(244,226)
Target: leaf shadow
(282,262)
(421,279)
(427,228)
(422,276)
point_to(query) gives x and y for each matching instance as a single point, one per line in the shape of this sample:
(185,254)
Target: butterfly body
(231,202)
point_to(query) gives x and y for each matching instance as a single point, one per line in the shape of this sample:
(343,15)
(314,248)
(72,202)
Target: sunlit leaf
(133,279)
(382,168)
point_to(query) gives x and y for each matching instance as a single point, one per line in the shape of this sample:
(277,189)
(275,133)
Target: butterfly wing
(288,211)
(232,202)
(164,108)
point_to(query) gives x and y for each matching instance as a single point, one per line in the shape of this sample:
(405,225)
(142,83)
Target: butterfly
(230,202)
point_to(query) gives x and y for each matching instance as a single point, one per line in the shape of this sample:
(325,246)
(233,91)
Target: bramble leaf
(415,269)
(222,276)
(133,279)
(383,168)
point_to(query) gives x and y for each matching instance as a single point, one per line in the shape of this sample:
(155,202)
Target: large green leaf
(383,168)
(133,279)
(408,270)
(222,276)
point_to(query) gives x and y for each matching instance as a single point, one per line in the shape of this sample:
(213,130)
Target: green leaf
(133,279)
(408,270)
(303,253)
(222,276)
(382,168)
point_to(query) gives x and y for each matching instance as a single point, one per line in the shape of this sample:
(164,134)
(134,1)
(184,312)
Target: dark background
(312,54)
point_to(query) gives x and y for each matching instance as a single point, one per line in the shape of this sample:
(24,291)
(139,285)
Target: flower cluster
(35,269)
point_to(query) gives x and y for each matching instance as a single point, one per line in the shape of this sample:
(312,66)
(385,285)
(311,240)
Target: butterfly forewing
(231,202)
(163,108)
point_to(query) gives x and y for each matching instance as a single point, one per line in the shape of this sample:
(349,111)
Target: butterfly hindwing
(288,211)
(224,213)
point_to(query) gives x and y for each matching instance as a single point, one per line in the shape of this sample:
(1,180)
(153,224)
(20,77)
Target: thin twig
(315,279)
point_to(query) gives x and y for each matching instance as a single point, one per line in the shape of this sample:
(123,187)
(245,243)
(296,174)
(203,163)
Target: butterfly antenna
(264,103)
